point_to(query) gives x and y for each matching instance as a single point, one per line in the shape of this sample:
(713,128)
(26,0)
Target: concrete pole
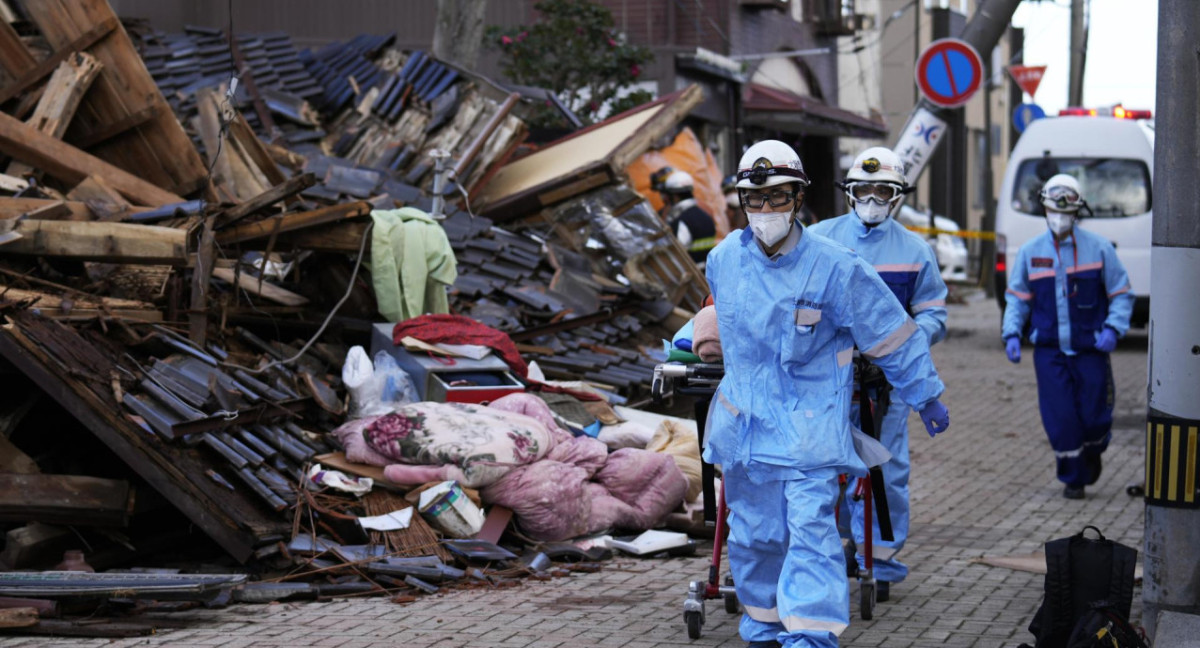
(1078,52)
(1173,417)
(923,132)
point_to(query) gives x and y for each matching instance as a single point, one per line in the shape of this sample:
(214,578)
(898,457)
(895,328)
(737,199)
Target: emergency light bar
(1118,111)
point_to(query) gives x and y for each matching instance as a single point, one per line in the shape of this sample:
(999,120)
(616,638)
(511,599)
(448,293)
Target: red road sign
(949,72)
(1027,76)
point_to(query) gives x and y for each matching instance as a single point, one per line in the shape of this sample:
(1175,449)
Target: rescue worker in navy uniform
(1071,290)
(791,306)
(687,220)
(875,186)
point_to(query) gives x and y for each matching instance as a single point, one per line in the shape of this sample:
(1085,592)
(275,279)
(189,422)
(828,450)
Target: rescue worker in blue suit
(875,186)
(1070,291)
(791,306)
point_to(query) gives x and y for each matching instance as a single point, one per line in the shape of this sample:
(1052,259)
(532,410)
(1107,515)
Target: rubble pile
(188,258)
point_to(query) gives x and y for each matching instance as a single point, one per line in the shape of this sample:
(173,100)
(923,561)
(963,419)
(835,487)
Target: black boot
(1073,492)
(883,591)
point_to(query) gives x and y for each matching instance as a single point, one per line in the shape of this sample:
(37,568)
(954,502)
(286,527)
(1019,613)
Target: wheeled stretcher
(700,380)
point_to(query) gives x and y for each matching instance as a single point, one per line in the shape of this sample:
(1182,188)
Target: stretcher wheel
(866,601)
(693,621)
(732,605)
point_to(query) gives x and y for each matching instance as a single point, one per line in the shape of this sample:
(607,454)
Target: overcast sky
(1121,55)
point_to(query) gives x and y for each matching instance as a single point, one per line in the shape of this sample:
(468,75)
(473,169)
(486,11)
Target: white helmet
(1061,193)
(877,164)
(769,163)
(679,182)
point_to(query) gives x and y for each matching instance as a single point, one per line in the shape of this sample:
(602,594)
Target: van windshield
(1112,187)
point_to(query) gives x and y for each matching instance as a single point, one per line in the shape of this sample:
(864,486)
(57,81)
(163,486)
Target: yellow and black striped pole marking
(1172,448)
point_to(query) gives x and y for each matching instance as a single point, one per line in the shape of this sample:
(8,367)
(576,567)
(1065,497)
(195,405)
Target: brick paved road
(986,487)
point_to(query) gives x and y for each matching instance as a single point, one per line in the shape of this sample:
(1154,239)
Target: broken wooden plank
(263,289)
(83,307)
(63,93)
(269,197)
(15,58)
(46,67)
(96,241)
(19,617)
(159,151)
(104,201)
(72,165)
(65,499)
(37,208)
(59,100)
(294,221)
(256,152)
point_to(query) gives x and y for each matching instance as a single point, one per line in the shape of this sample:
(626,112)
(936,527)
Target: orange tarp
(684,154)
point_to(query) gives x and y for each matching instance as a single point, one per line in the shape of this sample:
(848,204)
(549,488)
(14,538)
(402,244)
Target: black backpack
(1102,626)
(1089,586)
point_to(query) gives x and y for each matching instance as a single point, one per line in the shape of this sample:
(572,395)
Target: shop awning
(776,109)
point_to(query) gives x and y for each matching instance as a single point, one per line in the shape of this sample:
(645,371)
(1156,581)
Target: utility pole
(1173,411)
(1078,53)
(982,32)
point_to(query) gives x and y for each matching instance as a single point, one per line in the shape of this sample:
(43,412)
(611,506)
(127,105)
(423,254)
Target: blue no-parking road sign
(1025,113)
(949,72)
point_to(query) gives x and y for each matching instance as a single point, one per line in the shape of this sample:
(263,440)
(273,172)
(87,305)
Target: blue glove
(935,417)
(1106,341)
(1012,346)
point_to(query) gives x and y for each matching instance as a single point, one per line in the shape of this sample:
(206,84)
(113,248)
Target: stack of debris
(184,267)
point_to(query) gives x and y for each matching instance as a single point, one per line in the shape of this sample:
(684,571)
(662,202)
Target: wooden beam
(75,305)
(14,56)
(63,93)
(342,237)
(263,289)
(293,222)
(267,198)
(95,241)
(256,152)
(72,165)
(65,499)
(202,271)
(84,41)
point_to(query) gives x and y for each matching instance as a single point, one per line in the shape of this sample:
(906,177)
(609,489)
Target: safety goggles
(1062,198)
(775,198)
(883,192)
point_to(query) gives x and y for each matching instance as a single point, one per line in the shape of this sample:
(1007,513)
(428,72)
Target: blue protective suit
(1064,294)
(779,424)
(908,266)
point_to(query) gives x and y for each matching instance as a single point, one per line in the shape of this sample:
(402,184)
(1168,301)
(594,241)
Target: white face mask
(1059,222)
(871,212)
(770,227)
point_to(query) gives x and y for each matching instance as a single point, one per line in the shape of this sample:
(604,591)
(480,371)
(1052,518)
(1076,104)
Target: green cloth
(411,264)
(679,355)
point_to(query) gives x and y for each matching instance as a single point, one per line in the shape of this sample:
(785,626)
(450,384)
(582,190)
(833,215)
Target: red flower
(635,70)
(506,40)
(611,42)
(522,36)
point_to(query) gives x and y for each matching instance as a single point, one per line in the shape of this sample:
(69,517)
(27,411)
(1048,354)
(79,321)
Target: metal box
(464,381)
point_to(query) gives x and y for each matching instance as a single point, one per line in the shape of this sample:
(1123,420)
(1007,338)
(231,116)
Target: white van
(1111,153)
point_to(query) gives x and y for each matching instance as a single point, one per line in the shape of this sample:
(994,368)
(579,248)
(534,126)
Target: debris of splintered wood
(99,241)
(77,375)
(65,499)
(158,150)
(45,209)
(105,202)
(72,165)
(63,93)
(20,617)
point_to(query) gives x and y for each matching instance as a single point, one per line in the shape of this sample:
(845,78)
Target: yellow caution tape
(986,236)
